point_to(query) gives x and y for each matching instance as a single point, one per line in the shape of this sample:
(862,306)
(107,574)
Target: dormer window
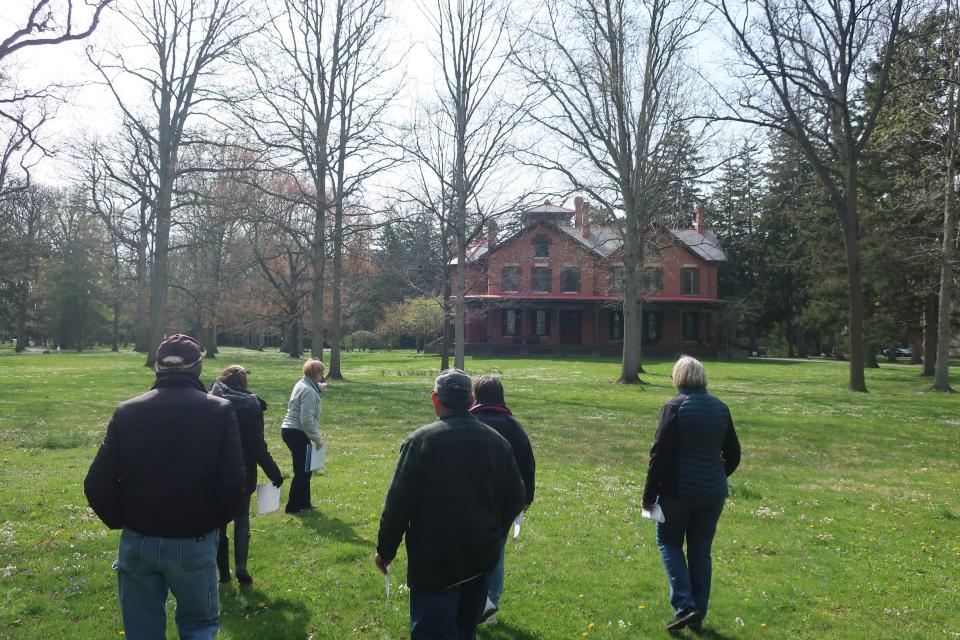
(541,247)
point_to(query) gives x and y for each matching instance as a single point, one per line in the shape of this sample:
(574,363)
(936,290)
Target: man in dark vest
(454,494)
(169,473)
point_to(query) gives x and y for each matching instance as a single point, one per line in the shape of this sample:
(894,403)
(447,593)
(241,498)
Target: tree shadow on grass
(248,613)
(504,631)
(333,528)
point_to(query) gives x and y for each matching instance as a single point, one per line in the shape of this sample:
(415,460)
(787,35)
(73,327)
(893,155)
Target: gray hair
(689,373)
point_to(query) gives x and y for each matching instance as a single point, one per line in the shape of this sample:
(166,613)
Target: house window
(653,326)
(511,322)
(511,278)
(541,322)
(691,325)
(652,280)
(616,279)
(690,281)
(542,277)
(616,325)
(570,280)
(541,247)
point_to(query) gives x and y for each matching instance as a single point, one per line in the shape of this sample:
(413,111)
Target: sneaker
(489,611)
(682,619)
(244,578)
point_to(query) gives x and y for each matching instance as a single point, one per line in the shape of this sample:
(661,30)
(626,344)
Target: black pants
(241,542)
(299,497)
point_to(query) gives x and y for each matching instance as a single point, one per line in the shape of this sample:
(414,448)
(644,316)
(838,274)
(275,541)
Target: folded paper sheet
(316,459)
(655,514)
(516,525)
(268,498)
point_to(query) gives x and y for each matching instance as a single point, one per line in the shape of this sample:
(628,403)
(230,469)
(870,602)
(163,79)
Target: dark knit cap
(453,384)
(179,351)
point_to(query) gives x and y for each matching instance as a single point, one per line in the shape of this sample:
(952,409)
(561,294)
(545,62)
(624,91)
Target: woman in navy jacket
(694,450)
(232,385)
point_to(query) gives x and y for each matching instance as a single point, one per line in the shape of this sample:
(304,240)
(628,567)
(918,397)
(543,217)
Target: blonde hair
(689,373)
(313,368)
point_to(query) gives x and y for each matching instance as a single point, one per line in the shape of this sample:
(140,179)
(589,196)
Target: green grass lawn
(843,520)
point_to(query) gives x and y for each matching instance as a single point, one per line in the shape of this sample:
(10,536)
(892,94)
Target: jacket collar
(170,379)
(451,414)
(310,382)
(689,390)
(498,408)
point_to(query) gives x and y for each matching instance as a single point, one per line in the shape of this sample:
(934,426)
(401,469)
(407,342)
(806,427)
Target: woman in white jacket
(301,426)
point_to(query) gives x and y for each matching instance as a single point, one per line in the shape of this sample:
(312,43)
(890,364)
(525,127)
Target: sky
(90,110)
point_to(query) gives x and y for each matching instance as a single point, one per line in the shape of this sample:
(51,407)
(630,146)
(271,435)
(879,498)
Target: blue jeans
(147,567)
(448,614)
(689,577)
(496,577)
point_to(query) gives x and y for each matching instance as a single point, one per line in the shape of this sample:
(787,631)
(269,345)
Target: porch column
(596,321)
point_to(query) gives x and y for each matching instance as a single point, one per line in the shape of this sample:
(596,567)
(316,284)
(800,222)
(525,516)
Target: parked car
(899,352)
(757,351)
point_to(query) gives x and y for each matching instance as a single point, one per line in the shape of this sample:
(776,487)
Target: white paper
(516,525)
(655,514)
(268,498)
(386,581)
(316,459)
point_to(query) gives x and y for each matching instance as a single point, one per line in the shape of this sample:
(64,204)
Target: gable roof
(603,241)
(704,245)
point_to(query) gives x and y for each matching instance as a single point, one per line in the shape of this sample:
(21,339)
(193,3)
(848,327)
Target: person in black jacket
(231,384)
(454,493)
(694,451)
(169,473)
(491,409)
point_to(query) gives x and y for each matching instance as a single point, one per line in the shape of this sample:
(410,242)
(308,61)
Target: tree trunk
(211,340)
(159,273)
(445,340)
(142,339)
(21,328)
(916,348)
(870,357)
(115,346)
(892,353)
(941,376)
(336,326)
(630,363)
(319,271)
(929,336)
(851,236)
(459,333)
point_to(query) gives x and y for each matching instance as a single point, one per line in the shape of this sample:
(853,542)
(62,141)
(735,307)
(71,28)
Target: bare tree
(296,73)
(472,46)
(23,111)
(186,40)
(359,148)
(615,92)
(816,57)
(23,242)
(117,174)
(941,378)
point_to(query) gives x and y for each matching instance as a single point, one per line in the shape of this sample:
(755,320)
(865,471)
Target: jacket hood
(238,398)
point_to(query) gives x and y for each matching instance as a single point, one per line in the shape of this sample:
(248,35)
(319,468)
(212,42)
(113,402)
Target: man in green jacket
(454,493)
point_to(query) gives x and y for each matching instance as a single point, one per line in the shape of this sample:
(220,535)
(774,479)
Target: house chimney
(491,234)
(699,225)
(577,212)
(585,220)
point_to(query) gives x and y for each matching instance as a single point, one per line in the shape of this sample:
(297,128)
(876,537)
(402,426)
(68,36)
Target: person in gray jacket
(301,426)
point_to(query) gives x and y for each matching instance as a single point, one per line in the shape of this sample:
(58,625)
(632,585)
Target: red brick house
(556,286)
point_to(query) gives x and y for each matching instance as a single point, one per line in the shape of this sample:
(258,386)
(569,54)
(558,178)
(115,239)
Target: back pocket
(198,554)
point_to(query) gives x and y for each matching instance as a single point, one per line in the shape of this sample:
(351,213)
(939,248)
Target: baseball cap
(453,383)
(179,351)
